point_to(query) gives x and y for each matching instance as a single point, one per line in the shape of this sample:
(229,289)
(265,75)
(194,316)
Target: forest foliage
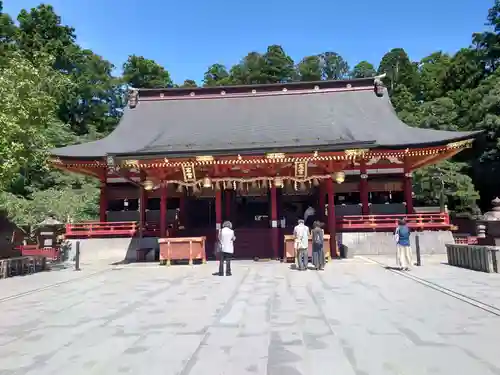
(55,92)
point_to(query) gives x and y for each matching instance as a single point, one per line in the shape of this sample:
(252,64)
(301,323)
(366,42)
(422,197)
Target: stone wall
(110,250)
(375,243)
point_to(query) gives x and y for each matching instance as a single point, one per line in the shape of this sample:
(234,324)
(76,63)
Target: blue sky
(188,36)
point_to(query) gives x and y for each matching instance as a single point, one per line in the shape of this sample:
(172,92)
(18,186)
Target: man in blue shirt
(402,237)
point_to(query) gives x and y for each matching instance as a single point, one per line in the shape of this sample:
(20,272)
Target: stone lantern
(488,227)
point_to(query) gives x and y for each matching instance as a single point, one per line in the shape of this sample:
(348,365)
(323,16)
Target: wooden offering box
(290,248)
(182,248)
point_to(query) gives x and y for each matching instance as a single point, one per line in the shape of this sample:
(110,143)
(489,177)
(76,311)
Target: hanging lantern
(315,182)
(148,185)
(207,183)
(339,177)
(278,182)
(180,188)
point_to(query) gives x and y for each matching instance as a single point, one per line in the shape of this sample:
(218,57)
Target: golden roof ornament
(355,153)
(466,143)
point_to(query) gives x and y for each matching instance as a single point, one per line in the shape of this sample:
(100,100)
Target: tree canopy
(55,93)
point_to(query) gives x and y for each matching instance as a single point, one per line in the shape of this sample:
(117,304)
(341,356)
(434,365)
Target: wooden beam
(433,159)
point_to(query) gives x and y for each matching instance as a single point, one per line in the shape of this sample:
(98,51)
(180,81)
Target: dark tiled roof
(337,115)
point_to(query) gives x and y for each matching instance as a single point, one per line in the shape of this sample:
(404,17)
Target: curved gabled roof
(327,115)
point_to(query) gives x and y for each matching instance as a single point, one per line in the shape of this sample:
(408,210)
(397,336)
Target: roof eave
(247,151)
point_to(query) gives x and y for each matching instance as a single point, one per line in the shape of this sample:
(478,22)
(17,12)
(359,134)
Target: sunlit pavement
(356,317)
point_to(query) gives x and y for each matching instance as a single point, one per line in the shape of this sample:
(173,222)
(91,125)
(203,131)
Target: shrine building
(183,160)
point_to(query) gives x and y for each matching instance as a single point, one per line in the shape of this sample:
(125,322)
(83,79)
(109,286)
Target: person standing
(226,243)
(301,243)
(402,238)
(318,253)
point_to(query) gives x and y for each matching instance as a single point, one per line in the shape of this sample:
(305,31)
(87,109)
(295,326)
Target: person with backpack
(402,238)
(318,253)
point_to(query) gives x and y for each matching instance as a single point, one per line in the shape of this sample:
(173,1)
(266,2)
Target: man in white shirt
(226,246)
(301,234)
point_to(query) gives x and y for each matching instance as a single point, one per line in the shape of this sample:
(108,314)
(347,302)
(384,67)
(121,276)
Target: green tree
(399,70)
(278,66)
(8,32)
(249,71)
(41,31)
(28,112)
(309,69)
(189,83)
(446,182)
(333,66)
(363,69)
(465,71)
(440,114)
(433,71)
(97,97)
(139,72)
(63,204)
(216,75)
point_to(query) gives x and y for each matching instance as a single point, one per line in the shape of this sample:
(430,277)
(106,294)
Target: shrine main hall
(183,160)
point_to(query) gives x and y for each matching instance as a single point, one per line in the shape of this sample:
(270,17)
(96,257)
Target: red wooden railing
(96,229)
(51,253)
(426,221)
(384,222)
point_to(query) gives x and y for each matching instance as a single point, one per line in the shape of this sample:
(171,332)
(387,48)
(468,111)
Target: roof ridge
(268,87)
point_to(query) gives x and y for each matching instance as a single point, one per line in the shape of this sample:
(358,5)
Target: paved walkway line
(32,291)
(471,301)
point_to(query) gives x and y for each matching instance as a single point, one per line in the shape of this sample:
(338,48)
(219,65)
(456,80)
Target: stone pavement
(476,285)
(354,318)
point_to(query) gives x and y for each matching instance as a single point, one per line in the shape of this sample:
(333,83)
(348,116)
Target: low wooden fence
(473,257)
(22,266)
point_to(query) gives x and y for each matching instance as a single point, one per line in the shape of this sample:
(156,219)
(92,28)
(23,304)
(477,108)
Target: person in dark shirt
(318,253)
(402,237)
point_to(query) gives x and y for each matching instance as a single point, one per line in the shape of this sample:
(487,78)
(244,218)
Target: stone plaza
(357,317)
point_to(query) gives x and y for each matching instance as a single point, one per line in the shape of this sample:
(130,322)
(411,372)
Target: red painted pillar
(363,189)
(227,203)
(163,211)
(274,222)
(332,230)
(321,201)
(103,204)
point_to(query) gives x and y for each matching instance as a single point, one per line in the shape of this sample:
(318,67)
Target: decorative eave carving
(355,153)
(466,143)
